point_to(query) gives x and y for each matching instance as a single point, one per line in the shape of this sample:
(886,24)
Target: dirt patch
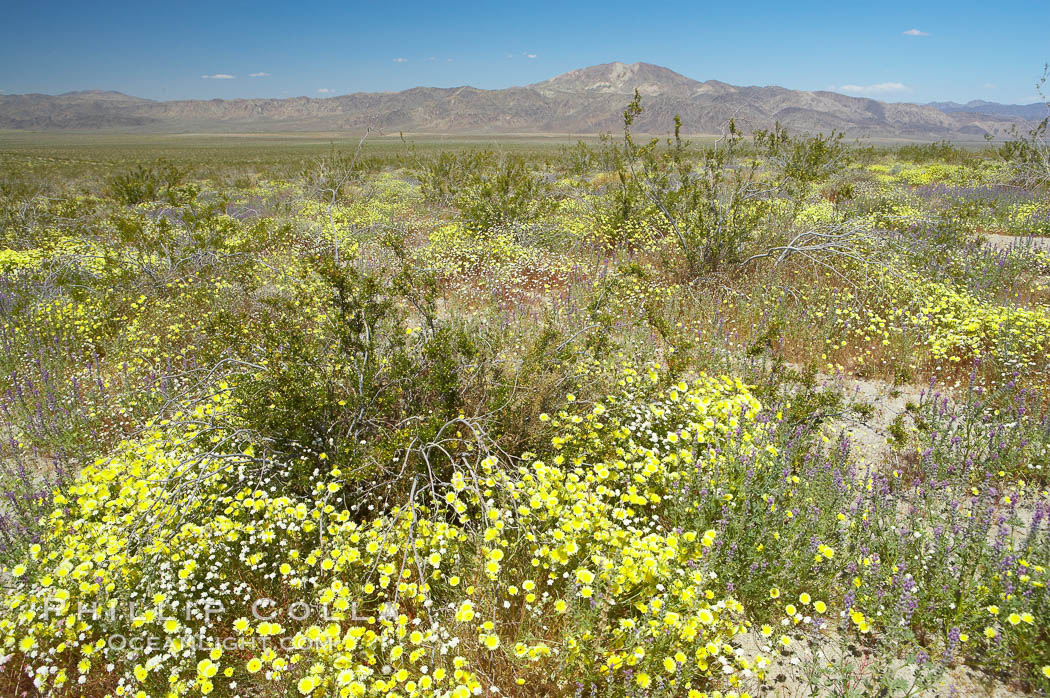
(869,433)
(829,664)
(1008,242)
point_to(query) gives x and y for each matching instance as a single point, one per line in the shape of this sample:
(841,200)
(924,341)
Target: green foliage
(941,152)
(489,189)
(803,160)
(712,210)
(621,207)
(443,174)
(349,380)
(580,159)
(1028,154)
(800,162)
(145,183)
(500,191)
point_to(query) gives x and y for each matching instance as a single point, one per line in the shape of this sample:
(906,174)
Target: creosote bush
(149,183)
(711,209)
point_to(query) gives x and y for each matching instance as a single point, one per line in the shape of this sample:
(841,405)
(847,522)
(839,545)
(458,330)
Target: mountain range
(1031,112)
(585,101)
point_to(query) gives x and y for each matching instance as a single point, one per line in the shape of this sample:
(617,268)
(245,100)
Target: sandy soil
(1005,242)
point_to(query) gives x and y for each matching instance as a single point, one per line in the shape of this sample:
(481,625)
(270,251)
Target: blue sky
(921,50)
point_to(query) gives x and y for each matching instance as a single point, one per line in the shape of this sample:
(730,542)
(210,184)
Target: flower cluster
(510,565)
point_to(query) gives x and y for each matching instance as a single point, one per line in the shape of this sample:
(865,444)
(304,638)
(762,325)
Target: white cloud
(258,75)
(915,32)
(324,90)
(219,76)
(431,58)
(400,60)
(876,89)
(530,55)
(988,85)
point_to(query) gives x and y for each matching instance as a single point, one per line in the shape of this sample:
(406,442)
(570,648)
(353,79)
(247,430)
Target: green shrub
(940,152)
(501,192)
(148,183)
(711,210)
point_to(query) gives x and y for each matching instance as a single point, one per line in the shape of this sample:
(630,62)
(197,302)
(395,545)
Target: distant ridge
(585,101)
(104,95)
(1030,112)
